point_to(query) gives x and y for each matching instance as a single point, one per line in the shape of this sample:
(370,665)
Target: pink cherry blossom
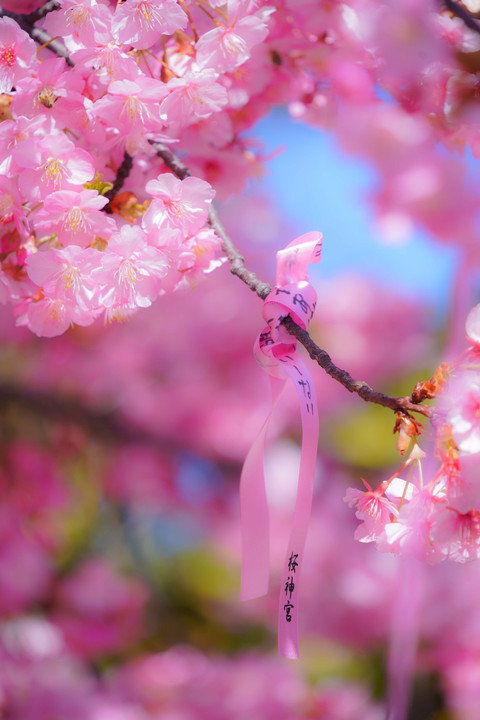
(10,202)
(65,274)
(80,22)
(131,104)
(17,54)
(192,97)
(457,534)
(472,325)
(131,272)
(75,217)
(373,508)
(141,22)
(464,417)
(46,317)
(225,48)
(178,204)
(53,163)
(52,91)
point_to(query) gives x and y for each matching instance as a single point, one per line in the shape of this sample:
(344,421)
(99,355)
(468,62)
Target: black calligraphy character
(288,609)
(292,562)
(289,586)
(300,300)
(307,392)
(282,290)
(266,339)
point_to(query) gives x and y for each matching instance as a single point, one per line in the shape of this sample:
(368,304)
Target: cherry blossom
(75,217)
(120,123)
(194,96)
(141,22)
(373,508)
(17,54)
(225,48)
(53,163)
(65,273)
(130,273)
(178,204)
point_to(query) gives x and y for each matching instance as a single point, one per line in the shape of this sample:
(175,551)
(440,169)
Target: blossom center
(134,108)
(8,55)
(46,96)
(173,209)
(71,277)
(469,528)
(148,14)
(79,15)
(54,172)
(6,208)
(472,407)
(76,221)
(127,273)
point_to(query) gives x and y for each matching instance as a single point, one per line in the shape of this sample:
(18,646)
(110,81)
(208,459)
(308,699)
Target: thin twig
(122,174)
(40,13)
(463,14)
(361,388)
(237,267)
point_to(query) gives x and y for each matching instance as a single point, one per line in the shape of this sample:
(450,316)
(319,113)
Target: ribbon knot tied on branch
(275,351)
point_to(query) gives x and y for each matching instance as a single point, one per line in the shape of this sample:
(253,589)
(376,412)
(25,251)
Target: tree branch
(398,404)
(122,174)
(40,13)
(237,267)
(463,14)
(236,260)
(108,425)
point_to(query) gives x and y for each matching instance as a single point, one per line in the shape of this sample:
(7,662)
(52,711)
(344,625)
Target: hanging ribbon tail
(288,610)
(275,351)
(254,516)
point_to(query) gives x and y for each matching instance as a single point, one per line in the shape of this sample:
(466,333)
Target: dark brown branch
(171,160)
(463,14)
(237,267)
(40,13)
(398,404)
(122,174)
(40,36)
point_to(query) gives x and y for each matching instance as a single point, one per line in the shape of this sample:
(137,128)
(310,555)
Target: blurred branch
(461,12)
(237,267)
(108,425)
(42,11)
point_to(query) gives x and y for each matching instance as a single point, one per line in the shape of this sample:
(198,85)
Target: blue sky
(321,188)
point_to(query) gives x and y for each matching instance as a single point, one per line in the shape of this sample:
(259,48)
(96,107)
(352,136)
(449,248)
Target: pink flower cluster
(136,78)
(196,76)
(434,514)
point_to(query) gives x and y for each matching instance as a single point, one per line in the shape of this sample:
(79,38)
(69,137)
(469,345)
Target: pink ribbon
(275,351)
